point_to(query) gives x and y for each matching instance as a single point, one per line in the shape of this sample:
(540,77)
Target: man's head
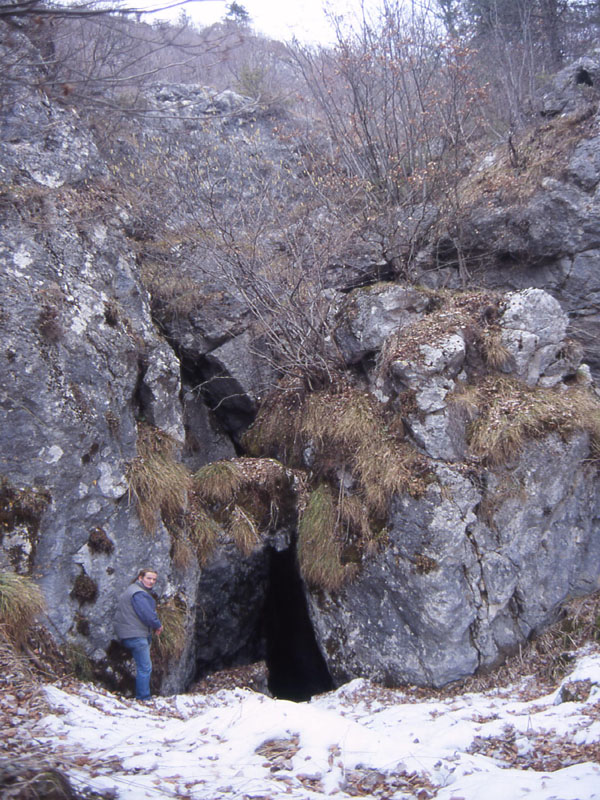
(147,577)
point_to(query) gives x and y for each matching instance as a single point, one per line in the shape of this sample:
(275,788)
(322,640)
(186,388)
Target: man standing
(134,622)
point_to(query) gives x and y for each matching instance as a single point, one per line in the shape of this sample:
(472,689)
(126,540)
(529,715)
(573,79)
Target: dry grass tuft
(344,431)
(218,482)
(202,529)
(182,552)
(354,516)
(174,294)
(509,413)
(344,428)
(21,600)
(243,529)
(248,495)
(348,429)
(496,355)
(515,176)
(275,431)
(169,645)
(156,479)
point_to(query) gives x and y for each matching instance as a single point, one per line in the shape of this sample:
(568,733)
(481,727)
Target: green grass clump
(21,600)
(319,545)
(156,479)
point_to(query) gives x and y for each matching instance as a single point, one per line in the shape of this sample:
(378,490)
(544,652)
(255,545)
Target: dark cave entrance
(297,669)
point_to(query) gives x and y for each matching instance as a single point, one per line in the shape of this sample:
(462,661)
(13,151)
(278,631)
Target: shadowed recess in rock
(297,670)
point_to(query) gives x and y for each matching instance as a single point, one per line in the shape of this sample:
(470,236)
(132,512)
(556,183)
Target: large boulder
(572,87)
(469,572)
(369,315)
(502,535)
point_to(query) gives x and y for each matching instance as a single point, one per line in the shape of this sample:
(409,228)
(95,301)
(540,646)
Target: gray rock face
(487,556)
(231,595)
(431,376)
(81,360)
(572,87)
(533,332)
(546,234)
(238,378)
(484,558)
(369,315)
(456,588)
(205,441)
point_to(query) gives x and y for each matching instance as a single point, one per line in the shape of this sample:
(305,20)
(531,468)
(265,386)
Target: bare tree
(91,8)
(399,104)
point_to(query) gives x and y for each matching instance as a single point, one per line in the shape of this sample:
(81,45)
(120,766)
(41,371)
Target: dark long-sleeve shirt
(145,607)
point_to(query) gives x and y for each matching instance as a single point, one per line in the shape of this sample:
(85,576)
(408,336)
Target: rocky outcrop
(490,551)
(84,365)
(368,317)
(469,572)
(81,363)
(119,346)
(530,214)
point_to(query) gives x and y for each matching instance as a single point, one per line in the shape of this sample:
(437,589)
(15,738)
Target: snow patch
(236,744)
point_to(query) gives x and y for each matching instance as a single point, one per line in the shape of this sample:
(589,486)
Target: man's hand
(158,631)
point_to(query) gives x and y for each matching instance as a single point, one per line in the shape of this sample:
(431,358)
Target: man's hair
(145,571)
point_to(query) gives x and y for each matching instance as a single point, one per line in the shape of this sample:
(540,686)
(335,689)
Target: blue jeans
(140,650)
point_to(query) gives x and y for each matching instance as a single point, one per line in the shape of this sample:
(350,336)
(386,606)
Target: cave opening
(297,669)
(583,78)
(205,384)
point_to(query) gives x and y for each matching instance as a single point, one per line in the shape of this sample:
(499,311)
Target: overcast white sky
(280,19)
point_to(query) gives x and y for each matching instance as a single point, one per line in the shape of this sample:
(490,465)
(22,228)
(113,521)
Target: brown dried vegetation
(21,600)
(157,481)
(507,413)
(471,314)
(85,589)
(517,173)
(21,506)
(248,495)
(169,645)
(345,429)
(358,461)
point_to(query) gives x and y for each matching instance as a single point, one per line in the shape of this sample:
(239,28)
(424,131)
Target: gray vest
(127,623)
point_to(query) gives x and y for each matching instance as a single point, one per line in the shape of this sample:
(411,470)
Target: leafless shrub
(400,109)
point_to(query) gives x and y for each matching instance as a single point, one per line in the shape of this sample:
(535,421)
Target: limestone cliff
(451,463)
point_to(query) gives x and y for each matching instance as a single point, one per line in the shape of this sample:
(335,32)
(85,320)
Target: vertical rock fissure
(297,669)
(221,395)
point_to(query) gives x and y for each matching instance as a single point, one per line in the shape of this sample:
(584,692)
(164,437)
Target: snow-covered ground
(360,740)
